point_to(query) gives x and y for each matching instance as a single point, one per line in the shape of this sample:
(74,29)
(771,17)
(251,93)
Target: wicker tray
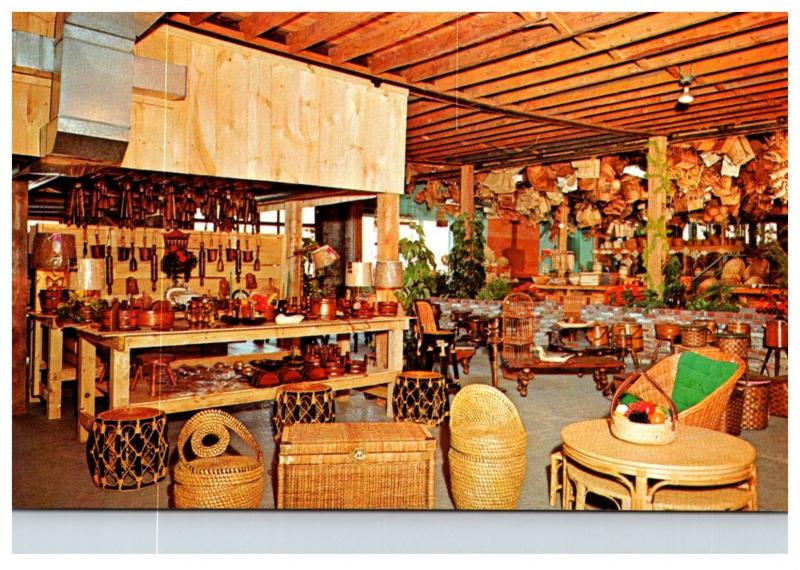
(644,434)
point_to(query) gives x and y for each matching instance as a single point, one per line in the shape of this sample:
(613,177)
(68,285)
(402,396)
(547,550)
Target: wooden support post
(387,221)
(657,185)
(294,243)
(467,197)
(19,294)
(563,226)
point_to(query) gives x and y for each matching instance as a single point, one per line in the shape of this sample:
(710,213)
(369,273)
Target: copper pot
(325,308)
(157,319)
(668,331)
(128,319)
(776,334)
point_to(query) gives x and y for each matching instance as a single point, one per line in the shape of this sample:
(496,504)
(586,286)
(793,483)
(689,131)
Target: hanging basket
(644,434)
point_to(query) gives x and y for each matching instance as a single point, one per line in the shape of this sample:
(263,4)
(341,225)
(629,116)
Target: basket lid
(337,438)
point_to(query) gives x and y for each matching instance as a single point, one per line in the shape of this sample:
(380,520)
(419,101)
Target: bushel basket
(645,434)
(212,480)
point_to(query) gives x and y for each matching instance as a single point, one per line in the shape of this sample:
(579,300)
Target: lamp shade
(388,275)
(52,251)
(90,275)
(324,256)
(358,274)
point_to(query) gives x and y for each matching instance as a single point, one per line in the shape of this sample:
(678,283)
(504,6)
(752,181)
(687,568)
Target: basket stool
(127,448)
(719,499)
(731,420)
(156,366)
(755,412)
(420,396)
(779,397)
(302,403)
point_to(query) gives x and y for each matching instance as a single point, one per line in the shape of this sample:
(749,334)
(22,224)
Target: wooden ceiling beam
(261,22)
(327,27)
(508,46)
(397,28)
(665,101)
(461,34)
(199,17)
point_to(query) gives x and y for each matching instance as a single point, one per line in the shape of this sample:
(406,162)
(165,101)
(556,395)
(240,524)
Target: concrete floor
(50,469)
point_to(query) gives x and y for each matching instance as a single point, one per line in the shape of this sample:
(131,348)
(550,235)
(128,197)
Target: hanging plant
(466,260)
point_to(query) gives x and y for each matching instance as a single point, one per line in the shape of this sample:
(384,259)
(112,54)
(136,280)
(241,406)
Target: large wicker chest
(356,466)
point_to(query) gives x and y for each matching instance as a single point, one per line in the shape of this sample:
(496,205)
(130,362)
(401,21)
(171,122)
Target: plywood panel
(232,94)
(295,125)
(42,23)
(341,127)
(30,111)
(259,115)
(201,110)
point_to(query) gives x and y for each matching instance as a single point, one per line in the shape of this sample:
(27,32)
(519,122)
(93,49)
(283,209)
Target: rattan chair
(434,342)
(708,412)
(585,482)
(488,450)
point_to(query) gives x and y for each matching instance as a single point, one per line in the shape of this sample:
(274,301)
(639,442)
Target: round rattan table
(697,458)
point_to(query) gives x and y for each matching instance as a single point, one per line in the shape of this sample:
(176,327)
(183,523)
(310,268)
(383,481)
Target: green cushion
(697,377)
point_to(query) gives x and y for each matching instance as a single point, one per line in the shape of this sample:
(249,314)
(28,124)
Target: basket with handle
(213,480)
(645,434)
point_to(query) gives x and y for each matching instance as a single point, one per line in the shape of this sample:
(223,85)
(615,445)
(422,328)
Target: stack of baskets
(488,450)
(212,480)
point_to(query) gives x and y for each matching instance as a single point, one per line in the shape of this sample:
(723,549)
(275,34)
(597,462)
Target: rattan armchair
(708,412)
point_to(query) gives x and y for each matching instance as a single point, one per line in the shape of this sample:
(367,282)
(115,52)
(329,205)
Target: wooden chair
(708,412)
(434,342)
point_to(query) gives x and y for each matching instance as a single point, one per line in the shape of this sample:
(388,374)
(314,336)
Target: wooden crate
(356,466)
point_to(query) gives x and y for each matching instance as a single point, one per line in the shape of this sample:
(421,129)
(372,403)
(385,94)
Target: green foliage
(674,290)
(419,276)
(466,260)
(780,262)
(718,297)
(651,300)
(495,289)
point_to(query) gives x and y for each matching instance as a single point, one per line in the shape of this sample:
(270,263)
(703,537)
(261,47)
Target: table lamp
(52,252)
(388,275)
(89,279)
(358,275)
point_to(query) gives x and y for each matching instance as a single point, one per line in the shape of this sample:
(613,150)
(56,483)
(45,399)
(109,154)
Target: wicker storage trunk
(356,466)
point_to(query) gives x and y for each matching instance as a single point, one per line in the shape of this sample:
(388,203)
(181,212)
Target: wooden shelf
(728,248)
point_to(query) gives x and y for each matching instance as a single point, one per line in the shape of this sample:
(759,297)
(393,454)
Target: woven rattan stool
(731,420)
(587,482)
(156,366)
(755,412)
(779,397)
(302,403)
(715,499)
(127,448)
(420,396)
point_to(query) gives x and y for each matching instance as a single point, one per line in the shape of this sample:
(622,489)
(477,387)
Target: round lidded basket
(643,434)
(694,336)
(736,344)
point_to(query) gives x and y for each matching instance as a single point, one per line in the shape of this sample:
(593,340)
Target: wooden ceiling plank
(507,46)
(395,30)
(589,90)
(199,17)
(327,27)
(629,39)
(261,22)
(477,28)
(746,88)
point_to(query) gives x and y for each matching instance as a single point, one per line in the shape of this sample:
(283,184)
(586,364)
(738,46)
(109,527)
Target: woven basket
(488,450)
(694,336)
(644,434)
(755,413)
(779,397)
(732,416)
(736,344)
(214,481)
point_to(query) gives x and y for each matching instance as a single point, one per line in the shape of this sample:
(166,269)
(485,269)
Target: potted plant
(466,259)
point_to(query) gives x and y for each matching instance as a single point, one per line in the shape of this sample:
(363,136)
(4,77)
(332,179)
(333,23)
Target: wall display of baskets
(212,480)
(642,433)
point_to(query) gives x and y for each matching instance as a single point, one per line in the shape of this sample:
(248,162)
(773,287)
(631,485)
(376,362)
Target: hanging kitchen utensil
(109,265)
(153,266)
(123,251)
(220,264)
(257,262)
(238,261)
(145,253)
(85,241)
(132,265)
(247,253)
(230,252)
(211,253)
(98,250)
(202,262)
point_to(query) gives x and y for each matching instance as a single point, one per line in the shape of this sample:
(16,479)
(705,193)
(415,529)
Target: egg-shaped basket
(644,434)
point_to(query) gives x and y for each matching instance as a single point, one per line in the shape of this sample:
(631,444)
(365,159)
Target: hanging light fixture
(686,97)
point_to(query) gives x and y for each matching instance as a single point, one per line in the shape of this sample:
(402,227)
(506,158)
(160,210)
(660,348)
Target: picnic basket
(645,434)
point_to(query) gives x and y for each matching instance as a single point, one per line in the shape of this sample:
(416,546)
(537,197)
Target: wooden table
(697,458)
(525,370)
(121,343)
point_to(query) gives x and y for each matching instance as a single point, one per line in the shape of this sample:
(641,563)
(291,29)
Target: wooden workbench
(121,343)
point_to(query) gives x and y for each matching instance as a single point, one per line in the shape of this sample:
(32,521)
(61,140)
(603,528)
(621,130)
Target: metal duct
(90,105)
